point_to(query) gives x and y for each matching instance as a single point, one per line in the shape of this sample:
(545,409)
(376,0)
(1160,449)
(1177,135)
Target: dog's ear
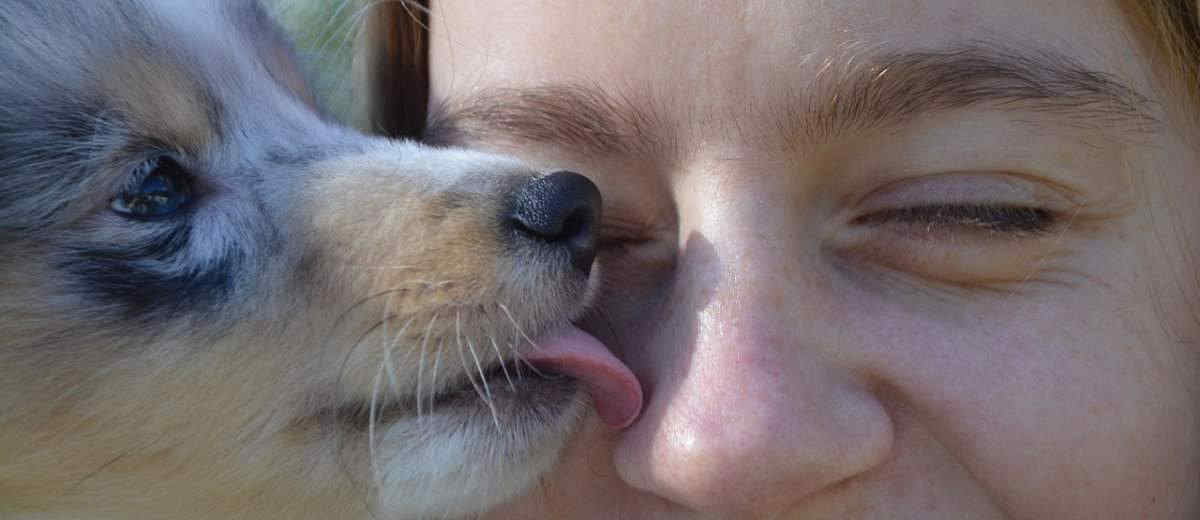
(391,69)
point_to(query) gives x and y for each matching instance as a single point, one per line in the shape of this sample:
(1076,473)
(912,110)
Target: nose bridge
(432,217)
(759,414)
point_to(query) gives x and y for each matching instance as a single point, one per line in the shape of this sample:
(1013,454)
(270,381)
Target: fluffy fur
(327,329)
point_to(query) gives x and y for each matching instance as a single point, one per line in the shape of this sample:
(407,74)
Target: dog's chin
(464,453)
(475,443)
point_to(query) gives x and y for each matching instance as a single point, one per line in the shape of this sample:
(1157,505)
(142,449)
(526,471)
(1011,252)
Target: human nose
(750,410)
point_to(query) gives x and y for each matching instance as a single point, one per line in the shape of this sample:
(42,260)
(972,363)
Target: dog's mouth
(563,362)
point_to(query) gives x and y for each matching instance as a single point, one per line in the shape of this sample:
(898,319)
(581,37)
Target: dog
(215,302)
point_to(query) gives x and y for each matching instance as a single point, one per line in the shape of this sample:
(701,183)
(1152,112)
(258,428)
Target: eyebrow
(850,95)
(586,118)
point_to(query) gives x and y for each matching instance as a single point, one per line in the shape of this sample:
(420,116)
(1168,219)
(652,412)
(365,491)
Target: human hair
(393,51)
(367,60)
(1172,30)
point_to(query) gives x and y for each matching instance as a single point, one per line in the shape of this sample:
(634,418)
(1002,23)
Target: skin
(800,363)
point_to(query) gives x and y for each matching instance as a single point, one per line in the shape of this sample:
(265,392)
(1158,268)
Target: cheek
(1057,408)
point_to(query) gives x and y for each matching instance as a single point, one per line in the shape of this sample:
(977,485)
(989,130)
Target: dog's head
(215,302)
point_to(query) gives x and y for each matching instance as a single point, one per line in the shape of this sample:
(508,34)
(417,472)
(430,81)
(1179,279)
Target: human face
(868,259)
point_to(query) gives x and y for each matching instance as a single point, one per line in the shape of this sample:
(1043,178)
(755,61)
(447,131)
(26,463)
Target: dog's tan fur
(371,277)
(160,99)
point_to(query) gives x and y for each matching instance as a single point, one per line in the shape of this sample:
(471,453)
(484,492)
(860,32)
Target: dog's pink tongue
(616,393)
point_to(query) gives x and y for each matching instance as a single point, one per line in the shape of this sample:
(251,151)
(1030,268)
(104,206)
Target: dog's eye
(158,188)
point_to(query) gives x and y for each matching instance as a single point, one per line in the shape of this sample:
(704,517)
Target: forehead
(736,48)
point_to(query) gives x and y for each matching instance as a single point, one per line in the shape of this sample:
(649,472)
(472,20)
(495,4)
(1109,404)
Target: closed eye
(965,244)
(1012,220)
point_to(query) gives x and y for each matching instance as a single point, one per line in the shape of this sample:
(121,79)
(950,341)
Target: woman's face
(869,259)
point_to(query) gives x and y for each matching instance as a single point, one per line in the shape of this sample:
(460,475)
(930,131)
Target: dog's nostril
(560,209)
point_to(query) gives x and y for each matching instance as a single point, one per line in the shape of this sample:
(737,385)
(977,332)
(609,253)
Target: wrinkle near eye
(962,258)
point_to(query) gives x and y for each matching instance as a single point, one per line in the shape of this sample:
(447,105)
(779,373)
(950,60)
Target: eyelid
(962,228)
(969,188)
(957,254)
(139,173)
(1014,221)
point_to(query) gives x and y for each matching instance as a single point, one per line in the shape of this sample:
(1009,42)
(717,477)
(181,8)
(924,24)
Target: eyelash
(1014,221)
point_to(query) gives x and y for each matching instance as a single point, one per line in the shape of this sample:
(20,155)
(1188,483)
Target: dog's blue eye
(159,188)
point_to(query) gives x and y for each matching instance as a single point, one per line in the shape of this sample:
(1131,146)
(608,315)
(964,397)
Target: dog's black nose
(560,209)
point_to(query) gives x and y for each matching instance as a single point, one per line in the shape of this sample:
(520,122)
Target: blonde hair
(1171,28)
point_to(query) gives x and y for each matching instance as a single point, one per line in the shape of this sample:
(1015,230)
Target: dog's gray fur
(288,344)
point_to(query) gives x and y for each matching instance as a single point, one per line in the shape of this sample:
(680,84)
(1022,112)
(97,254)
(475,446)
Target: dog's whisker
(463,359)
(393,380)
(470,377)
(437,361)
(409,7)
(503,365)
(350,27)
(337,322)
(421,365)
(371,415)
(520,331)
(358,304)
(333,16)
(479,367)
(491,404)
(384,338)
(521,334)
(516,357)
(220,326)
(458,341)
(532,368)
(358,342)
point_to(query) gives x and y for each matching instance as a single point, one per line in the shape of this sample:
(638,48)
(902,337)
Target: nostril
(578,224)
(552,224)
(559,209)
